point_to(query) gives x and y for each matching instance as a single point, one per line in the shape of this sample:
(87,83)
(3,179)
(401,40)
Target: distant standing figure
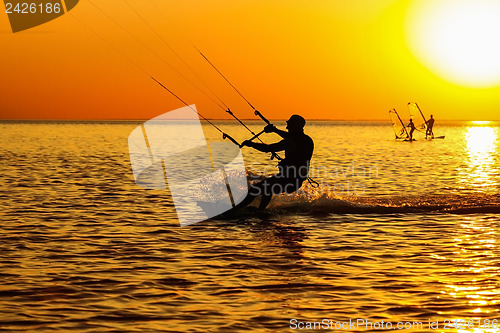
(430,125)
(412,127)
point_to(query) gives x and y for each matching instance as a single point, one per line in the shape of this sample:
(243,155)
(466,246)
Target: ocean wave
(325,204)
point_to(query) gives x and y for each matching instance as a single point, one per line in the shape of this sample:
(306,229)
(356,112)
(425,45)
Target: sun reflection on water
(476,273)
(482,144)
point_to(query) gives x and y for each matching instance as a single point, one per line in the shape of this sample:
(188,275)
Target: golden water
(84,249)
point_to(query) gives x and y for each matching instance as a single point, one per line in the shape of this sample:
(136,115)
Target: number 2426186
(33,8)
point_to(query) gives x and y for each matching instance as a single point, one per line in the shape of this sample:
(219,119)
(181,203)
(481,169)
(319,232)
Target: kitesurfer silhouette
(293,169)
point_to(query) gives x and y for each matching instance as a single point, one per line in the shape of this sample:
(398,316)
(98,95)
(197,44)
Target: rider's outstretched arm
(272,129)
(283,134)
(272,148)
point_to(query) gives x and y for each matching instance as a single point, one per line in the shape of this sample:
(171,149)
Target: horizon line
(224,119)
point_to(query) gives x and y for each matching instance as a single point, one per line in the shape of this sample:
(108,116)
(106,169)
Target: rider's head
(295,124)
(431,116)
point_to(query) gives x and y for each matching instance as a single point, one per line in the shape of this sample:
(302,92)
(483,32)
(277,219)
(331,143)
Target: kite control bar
(257,113)
(256,135)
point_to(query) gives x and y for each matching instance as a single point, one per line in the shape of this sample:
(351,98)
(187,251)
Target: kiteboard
(233,213)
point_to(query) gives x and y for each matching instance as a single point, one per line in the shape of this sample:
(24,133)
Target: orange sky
(332,59)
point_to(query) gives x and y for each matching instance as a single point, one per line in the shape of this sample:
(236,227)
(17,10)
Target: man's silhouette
(293,169)
(412,127)
(430,125)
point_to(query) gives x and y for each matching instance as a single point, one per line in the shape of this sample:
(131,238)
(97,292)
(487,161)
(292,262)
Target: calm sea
(398,232)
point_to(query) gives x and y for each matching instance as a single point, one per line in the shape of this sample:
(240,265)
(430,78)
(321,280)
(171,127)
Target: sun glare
(482,144)
(480,122)
(481,141)
(457,39)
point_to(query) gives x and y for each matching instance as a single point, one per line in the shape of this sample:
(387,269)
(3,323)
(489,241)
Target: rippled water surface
(398,231)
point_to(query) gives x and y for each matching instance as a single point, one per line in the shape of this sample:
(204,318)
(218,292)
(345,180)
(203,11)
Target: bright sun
(458,40)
